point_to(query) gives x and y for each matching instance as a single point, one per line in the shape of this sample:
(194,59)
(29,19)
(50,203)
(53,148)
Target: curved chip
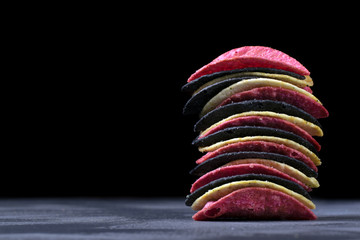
(223,190)
(308,181)
(310,128)
(278,140)
(266,158)
(280,94)
(255,203)
(260,121)
(244,131)
(207,91)
(191,198)
(307,81)
(251,56)
(239,169)
(210,79)
(220,113)
(249,84)
(260,146)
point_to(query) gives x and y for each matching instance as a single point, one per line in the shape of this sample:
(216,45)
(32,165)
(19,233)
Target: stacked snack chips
(258,119)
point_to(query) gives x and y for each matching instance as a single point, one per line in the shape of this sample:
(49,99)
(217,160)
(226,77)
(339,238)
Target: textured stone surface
(160,218)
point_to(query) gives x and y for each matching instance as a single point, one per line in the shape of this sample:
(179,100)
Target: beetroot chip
(264,121)
(260,146)
(255,203)
(242,169)
(256,157)
(251,56)
(294,98)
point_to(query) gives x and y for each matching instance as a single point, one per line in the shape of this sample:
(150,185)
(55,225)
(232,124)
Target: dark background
(95,107)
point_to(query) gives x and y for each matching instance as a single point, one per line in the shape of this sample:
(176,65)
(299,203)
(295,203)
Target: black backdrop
(96,109)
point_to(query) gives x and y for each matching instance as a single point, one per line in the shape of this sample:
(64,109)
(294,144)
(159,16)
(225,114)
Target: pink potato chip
(255,203)
(301,101)
(251,56)
(242,169)
(260,146)
(266,122)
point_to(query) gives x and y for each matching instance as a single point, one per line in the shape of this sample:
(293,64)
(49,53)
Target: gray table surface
(161,218)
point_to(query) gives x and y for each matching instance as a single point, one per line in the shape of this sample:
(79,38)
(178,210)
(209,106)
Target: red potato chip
(260,146)
(266,122)
(278,140)
(255,203)
(240,170)
(251,56)
(301,101)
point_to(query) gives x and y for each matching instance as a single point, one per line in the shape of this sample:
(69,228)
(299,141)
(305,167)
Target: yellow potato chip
(278,140)
(249,84)
(225,189)
(282,167)
(309,127)
(282,77)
